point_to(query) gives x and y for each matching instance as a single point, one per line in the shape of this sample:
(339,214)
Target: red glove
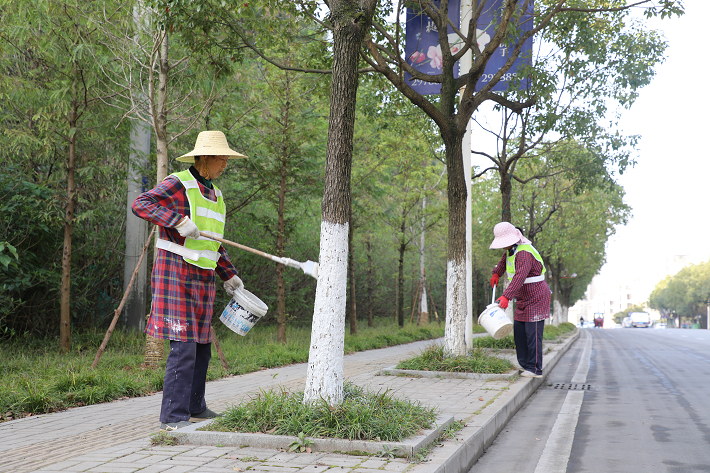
(494,280)
(502,302)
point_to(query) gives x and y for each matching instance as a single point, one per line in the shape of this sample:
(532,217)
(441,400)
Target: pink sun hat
(507,235)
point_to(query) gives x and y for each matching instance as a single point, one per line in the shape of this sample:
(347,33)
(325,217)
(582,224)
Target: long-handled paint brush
(309,267)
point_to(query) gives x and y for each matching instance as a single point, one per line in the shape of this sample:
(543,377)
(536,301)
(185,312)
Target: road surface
(620,400)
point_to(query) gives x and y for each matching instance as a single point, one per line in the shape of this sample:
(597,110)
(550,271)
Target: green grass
(505,343)
(553,333)
(36,378)
(361,416)
(477,361)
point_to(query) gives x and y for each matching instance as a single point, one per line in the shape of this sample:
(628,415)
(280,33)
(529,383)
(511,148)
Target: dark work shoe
(170,426)
(204,415)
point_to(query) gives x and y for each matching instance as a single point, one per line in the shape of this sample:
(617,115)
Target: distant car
(640,319)
(626,323)
(661,325)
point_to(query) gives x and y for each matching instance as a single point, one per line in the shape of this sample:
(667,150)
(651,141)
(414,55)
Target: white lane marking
(557,450)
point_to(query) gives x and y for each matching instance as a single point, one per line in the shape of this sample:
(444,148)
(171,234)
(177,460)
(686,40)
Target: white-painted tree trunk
(324,379)
(564,314)
(423,318)
(556,312)
(455,330)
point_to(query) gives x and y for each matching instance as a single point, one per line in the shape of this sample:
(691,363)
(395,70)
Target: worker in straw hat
(528,288)
(183,279)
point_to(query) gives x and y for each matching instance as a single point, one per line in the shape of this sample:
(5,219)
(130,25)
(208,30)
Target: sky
(668,189)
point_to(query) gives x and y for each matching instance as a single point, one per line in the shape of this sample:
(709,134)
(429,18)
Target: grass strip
(433,358)
(362,415)
(36,378)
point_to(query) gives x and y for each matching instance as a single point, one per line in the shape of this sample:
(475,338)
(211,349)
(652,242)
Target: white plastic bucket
(495,320)
(243,311)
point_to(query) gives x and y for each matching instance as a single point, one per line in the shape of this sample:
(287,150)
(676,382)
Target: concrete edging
(392,371)
(190,435)
(479,434)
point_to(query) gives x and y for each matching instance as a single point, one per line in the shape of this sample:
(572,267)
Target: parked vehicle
(598,320)
(626,323)
(660,325)
(640,319)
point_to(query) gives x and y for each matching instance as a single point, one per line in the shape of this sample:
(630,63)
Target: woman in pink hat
(528,288)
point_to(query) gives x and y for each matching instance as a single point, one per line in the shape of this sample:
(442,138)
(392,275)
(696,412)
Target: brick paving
(115,437)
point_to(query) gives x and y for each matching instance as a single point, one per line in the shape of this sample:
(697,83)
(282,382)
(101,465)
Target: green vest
(510,263)
(209,216)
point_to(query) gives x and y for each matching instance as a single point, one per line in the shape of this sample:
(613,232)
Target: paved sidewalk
(115,437)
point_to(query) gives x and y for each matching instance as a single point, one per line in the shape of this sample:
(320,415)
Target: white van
(640,319)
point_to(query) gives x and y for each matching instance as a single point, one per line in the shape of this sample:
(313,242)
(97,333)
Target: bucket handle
(493,300)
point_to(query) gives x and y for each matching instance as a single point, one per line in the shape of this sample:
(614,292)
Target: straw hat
(506,235)
(210,143)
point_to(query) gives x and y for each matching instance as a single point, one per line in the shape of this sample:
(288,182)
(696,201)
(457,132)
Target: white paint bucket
(495,320)
(243,311)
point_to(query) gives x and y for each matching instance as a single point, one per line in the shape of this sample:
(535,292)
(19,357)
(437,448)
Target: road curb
(472,440)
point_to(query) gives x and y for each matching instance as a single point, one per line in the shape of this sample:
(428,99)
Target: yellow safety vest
(510,263)
(209,216)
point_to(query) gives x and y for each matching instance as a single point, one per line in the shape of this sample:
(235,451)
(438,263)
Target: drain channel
(573,386)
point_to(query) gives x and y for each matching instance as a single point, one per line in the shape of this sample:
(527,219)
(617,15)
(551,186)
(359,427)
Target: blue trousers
(185,377)
(528,344)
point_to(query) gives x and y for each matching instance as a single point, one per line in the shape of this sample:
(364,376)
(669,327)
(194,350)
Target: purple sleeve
(523,265)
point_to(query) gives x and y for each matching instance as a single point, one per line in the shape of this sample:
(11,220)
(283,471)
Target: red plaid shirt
(532,301)
(183,294)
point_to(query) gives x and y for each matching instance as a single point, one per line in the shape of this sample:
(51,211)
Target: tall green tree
(55,95)
(286,120)
(685,294)
(569,218)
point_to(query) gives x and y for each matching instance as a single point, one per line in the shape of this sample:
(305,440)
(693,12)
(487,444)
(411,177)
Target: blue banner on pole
(486,27)
(423,51)
(422,47)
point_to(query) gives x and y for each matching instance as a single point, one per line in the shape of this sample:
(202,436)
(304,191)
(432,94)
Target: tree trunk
(370,282)
(351,269)
(280,239)
(423,318)
(155,347)
(280,291)
(65,312)
(161,118)
(556,305)
(324,379)
(456,306)
(506,189)
(400,277)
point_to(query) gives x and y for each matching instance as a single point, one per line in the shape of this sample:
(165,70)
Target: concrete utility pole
(136,228)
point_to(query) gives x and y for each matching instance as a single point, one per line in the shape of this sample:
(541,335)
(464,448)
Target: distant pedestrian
(183,279)
(528,289)
(581,321)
